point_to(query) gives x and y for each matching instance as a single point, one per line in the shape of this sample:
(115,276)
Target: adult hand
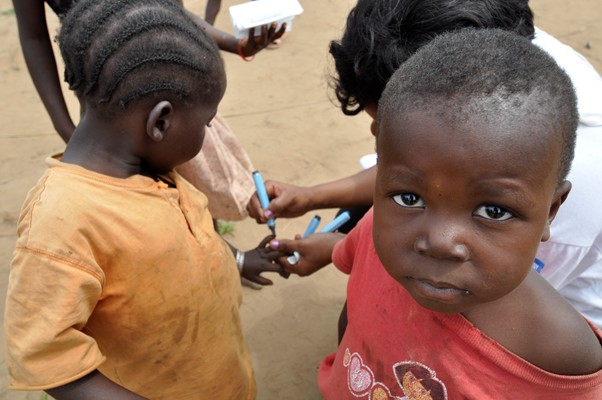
(252,44)
(315,252)
(287,201)
(262,259)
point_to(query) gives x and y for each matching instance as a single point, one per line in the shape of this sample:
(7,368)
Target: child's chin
(437,305)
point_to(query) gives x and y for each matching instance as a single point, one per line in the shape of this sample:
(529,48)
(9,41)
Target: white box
(261,12)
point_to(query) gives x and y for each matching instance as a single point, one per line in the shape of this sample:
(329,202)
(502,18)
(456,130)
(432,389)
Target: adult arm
(315,252)
(94,386)
(290,201)
(39,57)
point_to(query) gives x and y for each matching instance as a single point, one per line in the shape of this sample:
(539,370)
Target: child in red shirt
(475,136)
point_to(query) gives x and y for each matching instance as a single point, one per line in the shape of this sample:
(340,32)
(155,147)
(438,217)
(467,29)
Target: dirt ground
(281,108)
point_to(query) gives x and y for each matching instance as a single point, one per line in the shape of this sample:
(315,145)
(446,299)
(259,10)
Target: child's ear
(158,120)
(560,195)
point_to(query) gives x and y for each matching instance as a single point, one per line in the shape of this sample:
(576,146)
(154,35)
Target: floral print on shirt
(416,380)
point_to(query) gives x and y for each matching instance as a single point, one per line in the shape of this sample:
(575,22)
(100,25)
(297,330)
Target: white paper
(261,12)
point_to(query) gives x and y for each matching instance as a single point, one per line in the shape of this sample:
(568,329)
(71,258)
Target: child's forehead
(515,120)
(464,175)
(467,136)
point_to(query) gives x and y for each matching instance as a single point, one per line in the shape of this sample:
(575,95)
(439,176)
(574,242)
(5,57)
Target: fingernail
(274,244)
(268,213)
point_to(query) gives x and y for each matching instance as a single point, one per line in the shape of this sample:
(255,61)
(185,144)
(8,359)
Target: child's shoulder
(537,324)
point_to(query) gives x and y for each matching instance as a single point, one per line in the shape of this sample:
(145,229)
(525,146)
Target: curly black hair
(490,74)
(381,34)
(118,51)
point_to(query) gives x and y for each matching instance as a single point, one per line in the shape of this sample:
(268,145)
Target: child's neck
(102,148)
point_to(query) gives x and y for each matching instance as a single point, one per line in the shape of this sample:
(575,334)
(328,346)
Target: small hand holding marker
(263,198)
(313,225)
(265,202)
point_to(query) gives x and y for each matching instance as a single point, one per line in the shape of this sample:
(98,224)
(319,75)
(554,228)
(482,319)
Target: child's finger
(264,242)
(272,255)
(251,284)
(261,280)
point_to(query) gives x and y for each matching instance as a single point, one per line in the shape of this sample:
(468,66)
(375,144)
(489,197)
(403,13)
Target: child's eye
(493,212)
(408,200)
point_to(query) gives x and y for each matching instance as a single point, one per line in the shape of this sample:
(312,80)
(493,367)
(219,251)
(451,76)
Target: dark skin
(290,201)
(94,386)
(39,56)
(474,210)
(211,10)
(261,259)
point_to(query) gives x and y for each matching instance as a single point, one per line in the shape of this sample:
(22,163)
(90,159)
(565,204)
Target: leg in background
(211,10)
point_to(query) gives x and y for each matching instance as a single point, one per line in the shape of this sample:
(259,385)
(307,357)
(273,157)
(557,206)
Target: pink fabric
(395,349)
(223,171)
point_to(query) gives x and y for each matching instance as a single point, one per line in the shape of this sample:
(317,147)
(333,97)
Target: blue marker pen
(263,198)
(337,222)
(313,225)
(311,228)
(331,227)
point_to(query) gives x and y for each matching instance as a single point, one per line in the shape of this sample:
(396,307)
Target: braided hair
(119,51)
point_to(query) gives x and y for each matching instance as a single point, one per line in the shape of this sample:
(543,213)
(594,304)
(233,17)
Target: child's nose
(443,239)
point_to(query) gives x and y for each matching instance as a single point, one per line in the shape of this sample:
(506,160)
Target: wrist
(239,50)
(240,261)
(320,197)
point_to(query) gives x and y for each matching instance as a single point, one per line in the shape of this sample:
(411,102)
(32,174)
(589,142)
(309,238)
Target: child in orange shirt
(120,288)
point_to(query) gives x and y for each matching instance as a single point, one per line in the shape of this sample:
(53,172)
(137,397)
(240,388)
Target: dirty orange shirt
(126,276)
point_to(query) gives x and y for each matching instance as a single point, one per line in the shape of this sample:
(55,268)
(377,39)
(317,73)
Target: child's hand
(261,259)
(254,44)
(287,201)
(315,252)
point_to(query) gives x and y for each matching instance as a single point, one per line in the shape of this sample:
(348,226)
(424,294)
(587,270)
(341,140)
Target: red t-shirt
(395,349)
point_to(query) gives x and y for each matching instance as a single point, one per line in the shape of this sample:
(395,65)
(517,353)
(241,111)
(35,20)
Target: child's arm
(290,201)
(250,45)
(39,57)
(94,386)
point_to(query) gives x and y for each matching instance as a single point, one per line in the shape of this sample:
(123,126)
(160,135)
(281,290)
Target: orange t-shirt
(126,276)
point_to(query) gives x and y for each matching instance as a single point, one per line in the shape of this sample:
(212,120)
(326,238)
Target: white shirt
(573,255)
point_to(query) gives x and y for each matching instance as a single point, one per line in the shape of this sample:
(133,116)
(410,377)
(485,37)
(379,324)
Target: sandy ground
(280,107)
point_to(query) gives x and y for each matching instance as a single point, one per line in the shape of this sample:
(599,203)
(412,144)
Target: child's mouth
(438,291)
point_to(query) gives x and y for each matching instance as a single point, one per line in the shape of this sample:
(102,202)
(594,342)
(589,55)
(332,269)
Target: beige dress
(222,171)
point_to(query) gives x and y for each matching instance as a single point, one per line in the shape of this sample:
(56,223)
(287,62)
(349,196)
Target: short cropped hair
(491,74)
(118,51)
(382,34)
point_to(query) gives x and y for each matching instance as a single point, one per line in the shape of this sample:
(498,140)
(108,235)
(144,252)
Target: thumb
(276,207)
(283,245)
